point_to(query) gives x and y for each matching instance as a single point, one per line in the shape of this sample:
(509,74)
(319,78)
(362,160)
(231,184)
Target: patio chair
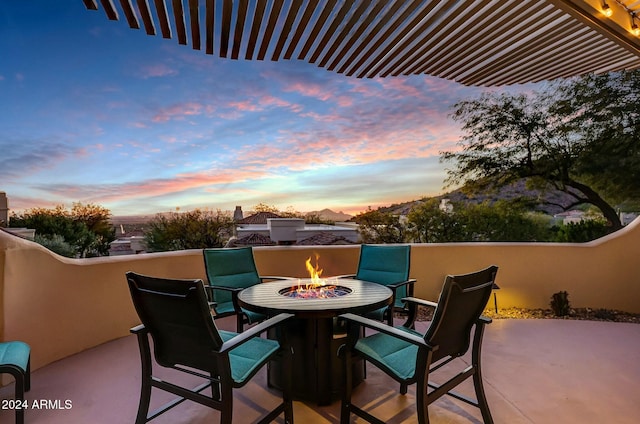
(176,314)
(387,265)
(410,357)
(229,271)
(15,359)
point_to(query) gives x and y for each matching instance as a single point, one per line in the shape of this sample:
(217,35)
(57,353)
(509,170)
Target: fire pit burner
(314,292)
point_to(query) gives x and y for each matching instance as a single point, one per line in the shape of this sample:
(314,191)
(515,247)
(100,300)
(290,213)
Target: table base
(316,367)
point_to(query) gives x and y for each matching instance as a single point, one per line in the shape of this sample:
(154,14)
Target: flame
(314,272)
(315,287)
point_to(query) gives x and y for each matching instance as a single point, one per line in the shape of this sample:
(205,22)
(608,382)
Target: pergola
(474,42)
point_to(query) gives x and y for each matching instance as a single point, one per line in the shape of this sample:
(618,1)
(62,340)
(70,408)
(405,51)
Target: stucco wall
(62,306)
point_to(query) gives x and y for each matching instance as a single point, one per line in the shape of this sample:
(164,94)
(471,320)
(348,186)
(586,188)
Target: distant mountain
(330,215)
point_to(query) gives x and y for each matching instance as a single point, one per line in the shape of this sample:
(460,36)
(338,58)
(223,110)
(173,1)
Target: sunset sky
(94,112)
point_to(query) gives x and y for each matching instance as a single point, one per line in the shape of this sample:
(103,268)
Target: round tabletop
(265,298)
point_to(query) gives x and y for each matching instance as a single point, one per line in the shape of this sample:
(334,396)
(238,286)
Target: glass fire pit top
(315,292)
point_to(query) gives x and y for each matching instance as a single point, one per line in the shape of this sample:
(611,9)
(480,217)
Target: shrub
(560,304)
(196,229)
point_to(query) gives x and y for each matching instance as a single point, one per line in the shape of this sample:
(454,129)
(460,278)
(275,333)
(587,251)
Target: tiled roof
(324,239)
(258,218)
(253,239)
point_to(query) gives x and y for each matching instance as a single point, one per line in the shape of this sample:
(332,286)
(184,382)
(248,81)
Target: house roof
(258,218)
(253,239)
(324,239)
(473,42)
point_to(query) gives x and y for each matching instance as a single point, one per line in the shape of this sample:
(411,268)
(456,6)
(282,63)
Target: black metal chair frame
(428,359)
(221,385)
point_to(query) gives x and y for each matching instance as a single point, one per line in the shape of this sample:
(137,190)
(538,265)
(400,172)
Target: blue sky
(95,112)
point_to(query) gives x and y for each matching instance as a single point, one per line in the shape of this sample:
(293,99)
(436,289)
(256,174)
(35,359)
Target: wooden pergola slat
(294,8)
(302,25)
(261,7)
(243,6)
(163,19)
(132,19)
(178,18)
(145,13)
(109,9)
(276,8)
(194,22)
(475,42)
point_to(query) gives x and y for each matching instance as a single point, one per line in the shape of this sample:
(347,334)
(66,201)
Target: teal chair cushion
(15,353)
(396,355)
(248,357)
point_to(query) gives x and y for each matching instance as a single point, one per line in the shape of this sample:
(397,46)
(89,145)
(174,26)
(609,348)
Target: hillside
(547,202)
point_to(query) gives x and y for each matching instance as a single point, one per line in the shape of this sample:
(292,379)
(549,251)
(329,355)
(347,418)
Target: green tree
(497,221)
(430,224)
(96,219)
(85,227)
(502,221)
(197,229)
(579,136)
(377,226)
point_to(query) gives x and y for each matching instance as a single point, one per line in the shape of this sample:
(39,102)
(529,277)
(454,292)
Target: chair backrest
(230,267)
(176,313)
(384,264)
(461,302)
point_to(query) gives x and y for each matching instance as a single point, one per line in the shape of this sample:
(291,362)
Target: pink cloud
(155,71)
(309,90)
(178,111)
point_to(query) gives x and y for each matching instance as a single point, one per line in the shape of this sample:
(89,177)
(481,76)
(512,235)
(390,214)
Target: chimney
(284,230)
(4,210)
(237,214)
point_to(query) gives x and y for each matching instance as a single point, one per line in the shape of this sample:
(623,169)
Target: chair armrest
(412,304)
(275,277)
(395,286)
(225,288)
(386,329)
(420,302)
(253,332)
(139,329)
(344,276)
(234,294)
(485,320)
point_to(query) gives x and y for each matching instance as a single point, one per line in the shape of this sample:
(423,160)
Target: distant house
(267,228)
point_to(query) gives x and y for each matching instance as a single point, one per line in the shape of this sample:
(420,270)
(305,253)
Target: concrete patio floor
(535,371)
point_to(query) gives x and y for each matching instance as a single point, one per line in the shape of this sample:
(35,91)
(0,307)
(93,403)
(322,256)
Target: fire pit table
(314,333)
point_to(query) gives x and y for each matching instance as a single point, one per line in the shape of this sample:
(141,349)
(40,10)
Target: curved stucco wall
(62,306)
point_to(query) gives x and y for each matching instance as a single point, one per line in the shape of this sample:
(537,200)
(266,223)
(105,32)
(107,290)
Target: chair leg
(19,396)
(404,388)
(239,323)
(477,376)
(145,388)
(482,399)
(422,401)
(27,376)
(226,399)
